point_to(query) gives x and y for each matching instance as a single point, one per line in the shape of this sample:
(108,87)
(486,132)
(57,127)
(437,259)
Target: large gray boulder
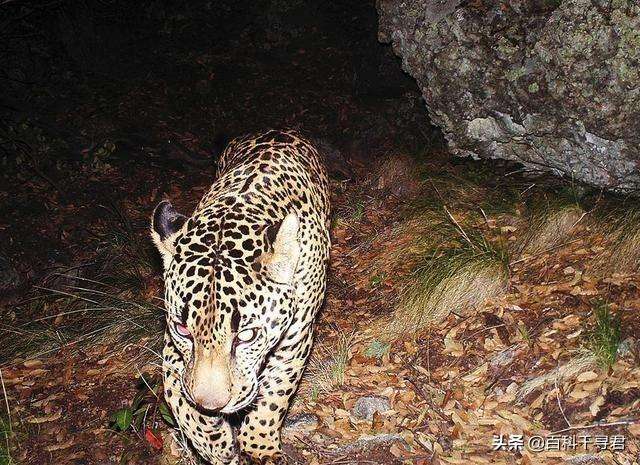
(553,84)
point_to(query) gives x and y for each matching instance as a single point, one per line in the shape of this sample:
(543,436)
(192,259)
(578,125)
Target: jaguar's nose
(209,379)
(211,396)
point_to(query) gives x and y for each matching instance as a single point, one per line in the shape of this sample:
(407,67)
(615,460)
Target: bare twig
(6,399)
(597,425)
(555,382)
(462,232)
(529,257)
(427,399)
(484,215)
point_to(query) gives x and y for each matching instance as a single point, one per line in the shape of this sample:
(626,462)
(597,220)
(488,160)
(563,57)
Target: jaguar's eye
(182,330)
(247,335)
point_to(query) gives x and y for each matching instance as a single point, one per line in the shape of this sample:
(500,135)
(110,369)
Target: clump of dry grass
(87,312)
(102,301)
(549,226)
(622,255)
(454,278)
(456,192)
(407,244)
(474,187)
(429,226)
(453,269)
(327,365)
(398,175)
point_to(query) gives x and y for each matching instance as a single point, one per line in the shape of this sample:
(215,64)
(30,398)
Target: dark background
(104,103)
(227,60)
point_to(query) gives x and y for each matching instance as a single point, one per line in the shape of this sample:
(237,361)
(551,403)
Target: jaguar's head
(230,298)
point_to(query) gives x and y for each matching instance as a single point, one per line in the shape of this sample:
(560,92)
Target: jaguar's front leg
(210,435)
(259,433)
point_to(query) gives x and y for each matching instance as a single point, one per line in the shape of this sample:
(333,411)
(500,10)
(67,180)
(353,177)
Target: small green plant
(6,435)
(337,368)
(358,211)
(603,338)
(142,415)
(335,221)
(347,214)
(328,365)
(377,279)
(524,333)
(315,393)
(377,349)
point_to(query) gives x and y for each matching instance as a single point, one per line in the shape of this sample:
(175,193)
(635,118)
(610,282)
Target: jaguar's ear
(280,264)
(165,224)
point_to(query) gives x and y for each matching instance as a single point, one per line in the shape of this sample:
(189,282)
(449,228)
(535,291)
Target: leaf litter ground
(521,362)
(504,367)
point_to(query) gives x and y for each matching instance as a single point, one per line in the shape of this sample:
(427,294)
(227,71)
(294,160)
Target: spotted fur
(244,279)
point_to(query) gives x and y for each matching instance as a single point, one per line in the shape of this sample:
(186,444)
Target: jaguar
(244,279)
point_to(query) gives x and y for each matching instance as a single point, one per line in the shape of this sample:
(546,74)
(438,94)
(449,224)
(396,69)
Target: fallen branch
(597,425)
(428,400)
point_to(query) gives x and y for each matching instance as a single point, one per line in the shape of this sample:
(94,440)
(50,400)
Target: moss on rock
(556,84)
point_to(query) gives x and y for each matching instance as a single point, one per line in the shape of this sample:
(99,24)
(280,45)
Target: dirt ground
(477,384)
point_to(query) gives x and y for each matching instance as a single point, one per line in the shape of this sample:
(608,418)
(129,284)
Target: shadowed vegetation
(622,225)
(110,299)
(406,244)
(6,435)
(551,219)
(460,273)
(474,189)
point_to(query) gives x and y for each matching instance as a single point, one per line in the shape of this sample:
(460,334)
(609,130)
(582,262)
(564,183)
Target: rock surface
(367,442)
(628,347)
(366,406)
(553,84)
(301,422)
(586,459)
